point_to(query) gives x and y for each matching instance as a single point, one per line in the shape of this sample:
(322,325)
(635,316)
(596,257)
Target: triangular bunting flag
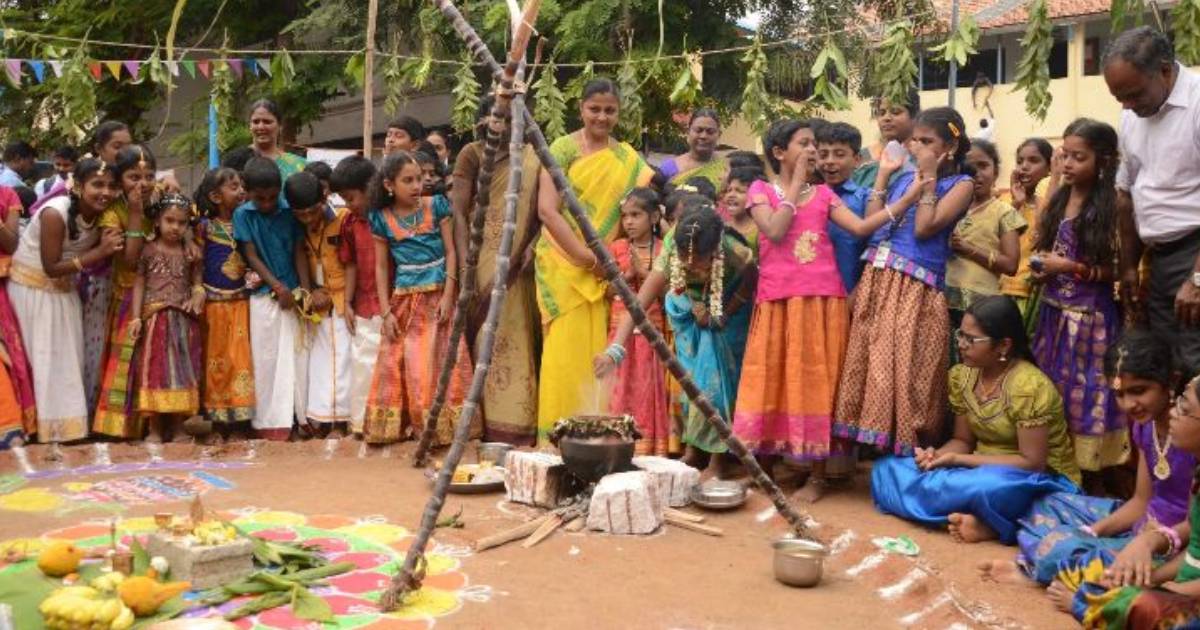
(189,67)
(205,68)
(56,65)
(250,65)
(173,68)
(13,68)
(39,69)
(95,68)
(114,67)
(134,67)
(236,66)
(264,64)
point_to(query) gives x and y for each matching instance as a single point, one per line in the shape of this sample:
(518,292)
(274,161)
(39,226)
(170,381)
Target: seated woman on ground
(1010,444)
(1065,527)
(1135,597)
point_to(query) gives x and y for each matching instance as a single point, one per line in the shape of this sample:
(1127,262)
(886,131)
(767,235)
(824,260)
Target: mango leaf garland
(1033,73)
(574,90)
(356,66)
(76,92)
(630,124)
(828,70)
(895,67)
(1185,25)
(283,70)
(686,90)
(416,71)
(757,103)
(549,103)
(961,43)
(1121,10)
(393,83)
(466,98)
(222,93)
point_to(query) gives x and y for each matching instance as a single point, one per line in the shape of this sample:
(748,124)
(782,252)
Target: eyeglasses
(964,339)
(1179,412)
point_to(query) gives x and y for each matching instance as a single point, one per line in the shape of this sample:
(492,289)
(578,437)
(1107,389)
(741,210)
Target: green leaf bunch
(1033,73)
(961,43)
(550,103)
(895,67)
(466,97)
(827,71)
(1185,25)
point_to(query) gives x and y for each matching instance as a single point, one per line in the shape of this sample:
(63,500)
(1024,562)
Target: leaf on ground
(305,605)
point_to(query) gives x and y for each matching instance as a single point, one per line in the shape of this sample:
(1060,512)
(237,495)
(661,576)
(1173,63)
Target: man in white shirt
(1158,184)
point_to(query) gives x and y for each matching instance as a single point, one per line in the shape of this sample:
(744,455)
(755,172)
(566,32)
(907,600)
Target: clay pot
(592,458)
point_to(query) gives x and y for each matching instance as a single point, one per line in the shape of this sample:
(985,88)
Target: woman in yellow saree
(703,135)
(570,285)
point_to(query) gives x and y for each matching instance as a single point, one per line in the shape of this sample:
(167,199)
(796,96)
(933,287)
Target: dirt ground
(675,579)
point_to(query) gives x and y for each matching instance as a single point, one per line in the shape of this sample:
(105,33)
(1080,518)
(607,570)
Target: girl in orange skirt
(415,234)
(169,294)
(228,390)
(640,388)
(14,429)
(800,324)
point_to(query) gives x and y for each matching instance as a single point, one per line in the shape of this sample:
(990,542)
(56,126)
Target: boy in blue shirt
(270,239)
(838,146)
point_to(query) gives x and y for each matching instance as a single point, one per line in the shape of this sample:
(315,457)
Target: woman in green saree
(703,135)
(569,280)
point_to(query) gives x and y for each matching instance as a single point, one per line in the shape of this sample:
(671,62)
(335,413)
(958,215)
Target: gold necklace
(991,394)
(1162,468)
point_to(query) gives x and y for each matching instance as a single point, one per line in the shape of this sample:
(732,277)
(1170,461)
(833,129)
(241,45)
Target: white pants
(329,362)
(365,350)
(278,369)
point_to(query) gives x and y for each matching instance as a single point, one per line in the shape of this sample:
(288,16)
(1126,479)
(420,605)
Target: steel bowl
(798,562)
(717,494)
(591,459)
(494,452)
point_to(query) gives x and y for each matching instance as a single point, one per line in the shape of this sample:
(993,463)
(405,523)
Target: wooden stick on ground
(554,522)
(516,533)
(683,516)
(692,525)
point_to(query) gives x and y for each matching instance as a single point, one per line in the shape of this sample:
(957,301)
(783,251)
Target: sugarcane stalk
(795,519)
(466,291)
(408,580)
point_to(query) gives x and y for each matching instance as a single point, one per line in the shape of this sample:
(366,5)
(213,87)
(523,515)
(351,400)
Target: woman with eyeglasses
(1010,446)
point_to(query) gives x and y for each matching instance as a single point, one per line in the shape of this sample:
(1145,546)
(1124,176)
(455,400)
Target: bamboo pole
(368,82)
(408,580)
(795,519)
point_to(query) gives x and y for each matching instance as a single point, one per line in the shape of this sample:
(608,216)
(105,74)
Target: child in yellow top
(328,336)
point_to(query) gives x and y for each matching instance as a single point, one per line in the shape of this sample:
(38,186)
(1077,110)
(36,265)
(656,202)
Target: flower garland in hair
(716,281)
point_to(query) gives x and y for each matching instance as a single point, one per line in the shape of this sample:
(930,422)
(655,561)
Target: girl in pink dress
(800,325)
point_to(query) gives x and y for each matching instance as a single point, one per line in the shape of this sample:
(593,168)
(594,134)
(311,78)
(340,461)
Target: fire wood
(576,525)
(554,522)
(696,527)
(516,533)
(683,516)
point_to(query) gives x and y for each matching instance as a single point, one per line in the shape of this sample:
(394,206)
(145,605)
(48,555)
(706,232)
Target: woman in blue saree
(1010,444)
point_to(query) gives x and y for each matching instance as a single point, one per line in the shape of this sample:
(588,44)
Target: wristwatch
(1196,279)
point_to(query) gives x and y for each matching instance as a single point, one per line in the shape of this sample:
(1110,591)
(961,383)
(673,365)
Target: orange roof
(1001,13)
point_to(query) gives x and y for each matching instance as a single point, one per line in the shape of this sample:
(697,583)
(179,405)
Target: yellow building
(1081,32)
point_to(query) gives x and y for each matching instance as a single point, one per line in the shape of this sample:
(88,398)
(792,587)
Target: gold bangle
(77,263)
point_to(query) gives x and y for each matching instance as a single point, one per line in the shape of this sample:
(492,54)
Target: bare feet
(1060,596)
(965,528)
(812,490)
(154,437)
(1003,572)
